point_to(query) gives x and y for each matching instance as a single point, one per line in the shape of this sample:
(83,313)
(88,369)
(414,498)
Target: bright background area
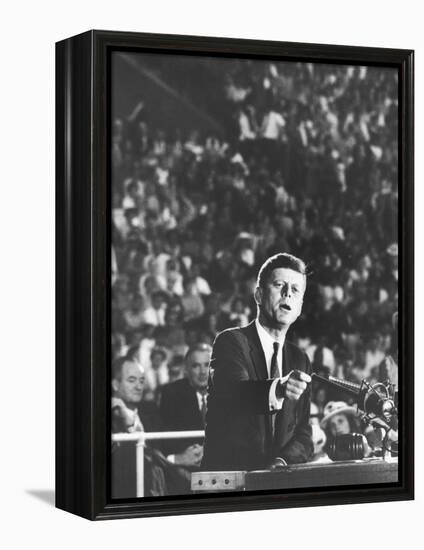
(29,31)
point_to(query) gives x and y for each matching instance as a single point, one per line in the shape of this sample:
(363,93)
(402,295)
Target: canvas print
(254,275)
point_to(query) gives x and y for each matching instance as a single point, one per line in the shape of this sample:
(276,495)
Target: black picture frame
(82,274)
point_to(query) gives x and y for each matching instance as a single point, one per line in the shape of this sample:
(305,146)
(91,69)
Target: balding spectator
(161,476)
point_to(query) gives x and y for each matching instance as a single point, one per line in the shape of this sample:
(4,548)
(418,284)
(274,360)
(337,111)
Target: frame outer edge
(81,270)
(74,419)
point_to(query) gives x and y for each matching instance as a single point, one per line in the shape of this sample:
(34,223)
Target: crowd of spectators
(307,165)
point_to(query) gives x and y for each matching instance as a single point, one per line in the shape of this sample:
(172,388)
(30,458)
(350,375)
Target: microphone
(347,447)
(378,399)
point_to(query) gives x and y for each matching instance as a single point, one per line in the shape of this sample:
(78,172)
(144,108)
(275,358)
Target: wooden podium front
(311,474)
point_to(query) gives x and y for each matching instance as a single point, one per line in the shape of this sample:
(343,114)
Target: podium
(299,476)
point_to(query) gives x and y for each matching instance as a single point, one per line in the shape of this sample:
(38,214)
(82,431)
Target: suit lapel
(259,364)
(256,352)
(285,363)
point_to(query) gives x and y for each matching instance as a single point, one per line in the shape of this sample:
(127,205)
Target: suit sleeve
(300,447)
(232,380)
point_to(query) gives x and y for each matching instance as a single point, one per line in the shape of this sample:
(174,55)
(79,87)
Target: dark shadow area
(46,495)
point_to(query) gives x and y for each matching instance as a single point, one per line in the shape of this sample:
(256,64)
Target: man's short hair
(200,346)
(284,260)
(118,365)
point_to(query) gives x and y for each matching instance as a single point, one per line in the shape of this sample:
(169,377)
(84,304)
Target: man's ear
(258,295)
(115,384)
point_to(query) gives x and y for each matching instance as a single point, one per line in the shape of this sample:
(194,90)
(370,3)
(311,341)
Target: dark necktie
(203,409)
(275,373)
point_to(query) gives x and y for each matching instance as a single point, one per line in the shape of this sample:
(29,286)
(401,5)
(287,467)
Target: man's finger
(293,395)
(295,389)
(298,385)
(300,375)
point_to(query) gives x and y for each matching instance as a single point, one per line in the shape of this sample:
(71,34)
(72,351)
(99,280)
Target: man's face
(130,387)
(280,300)
(197,369)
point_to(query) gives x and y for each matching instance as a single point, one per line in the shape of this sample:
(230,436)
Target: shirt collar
(267,344)
(267,341)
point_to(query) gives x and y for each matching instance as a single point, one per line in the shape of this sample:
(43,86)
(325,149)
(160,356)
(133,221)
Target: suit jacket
(239,427)
(179,410)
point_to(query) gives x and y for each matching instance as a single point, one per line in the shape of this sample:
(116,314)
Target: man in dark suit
(183,407)
(259,384)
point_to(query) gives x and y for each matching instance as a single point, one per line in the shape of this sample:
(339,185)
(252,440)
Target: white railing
(140,439)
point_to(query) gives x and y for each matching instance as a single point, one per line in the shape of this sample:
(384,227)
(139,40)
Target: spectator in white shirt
(157,374)
(273,124)
(155,314)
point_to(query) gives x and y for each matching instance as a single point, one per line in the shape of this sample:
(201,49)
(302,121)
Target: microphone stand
(376,403)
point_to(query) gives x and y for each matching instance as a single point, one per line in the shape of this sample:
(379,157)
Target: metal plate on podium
(218,481)
(311,474)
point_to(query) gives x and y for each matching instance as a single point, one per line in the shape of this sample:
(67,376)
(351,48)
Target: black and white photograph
(211,234)
(253,275)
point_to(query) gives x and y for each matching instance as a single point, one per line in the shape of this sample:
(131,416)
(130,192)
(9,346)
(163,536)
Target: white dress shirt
(267,343)
(200,397)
